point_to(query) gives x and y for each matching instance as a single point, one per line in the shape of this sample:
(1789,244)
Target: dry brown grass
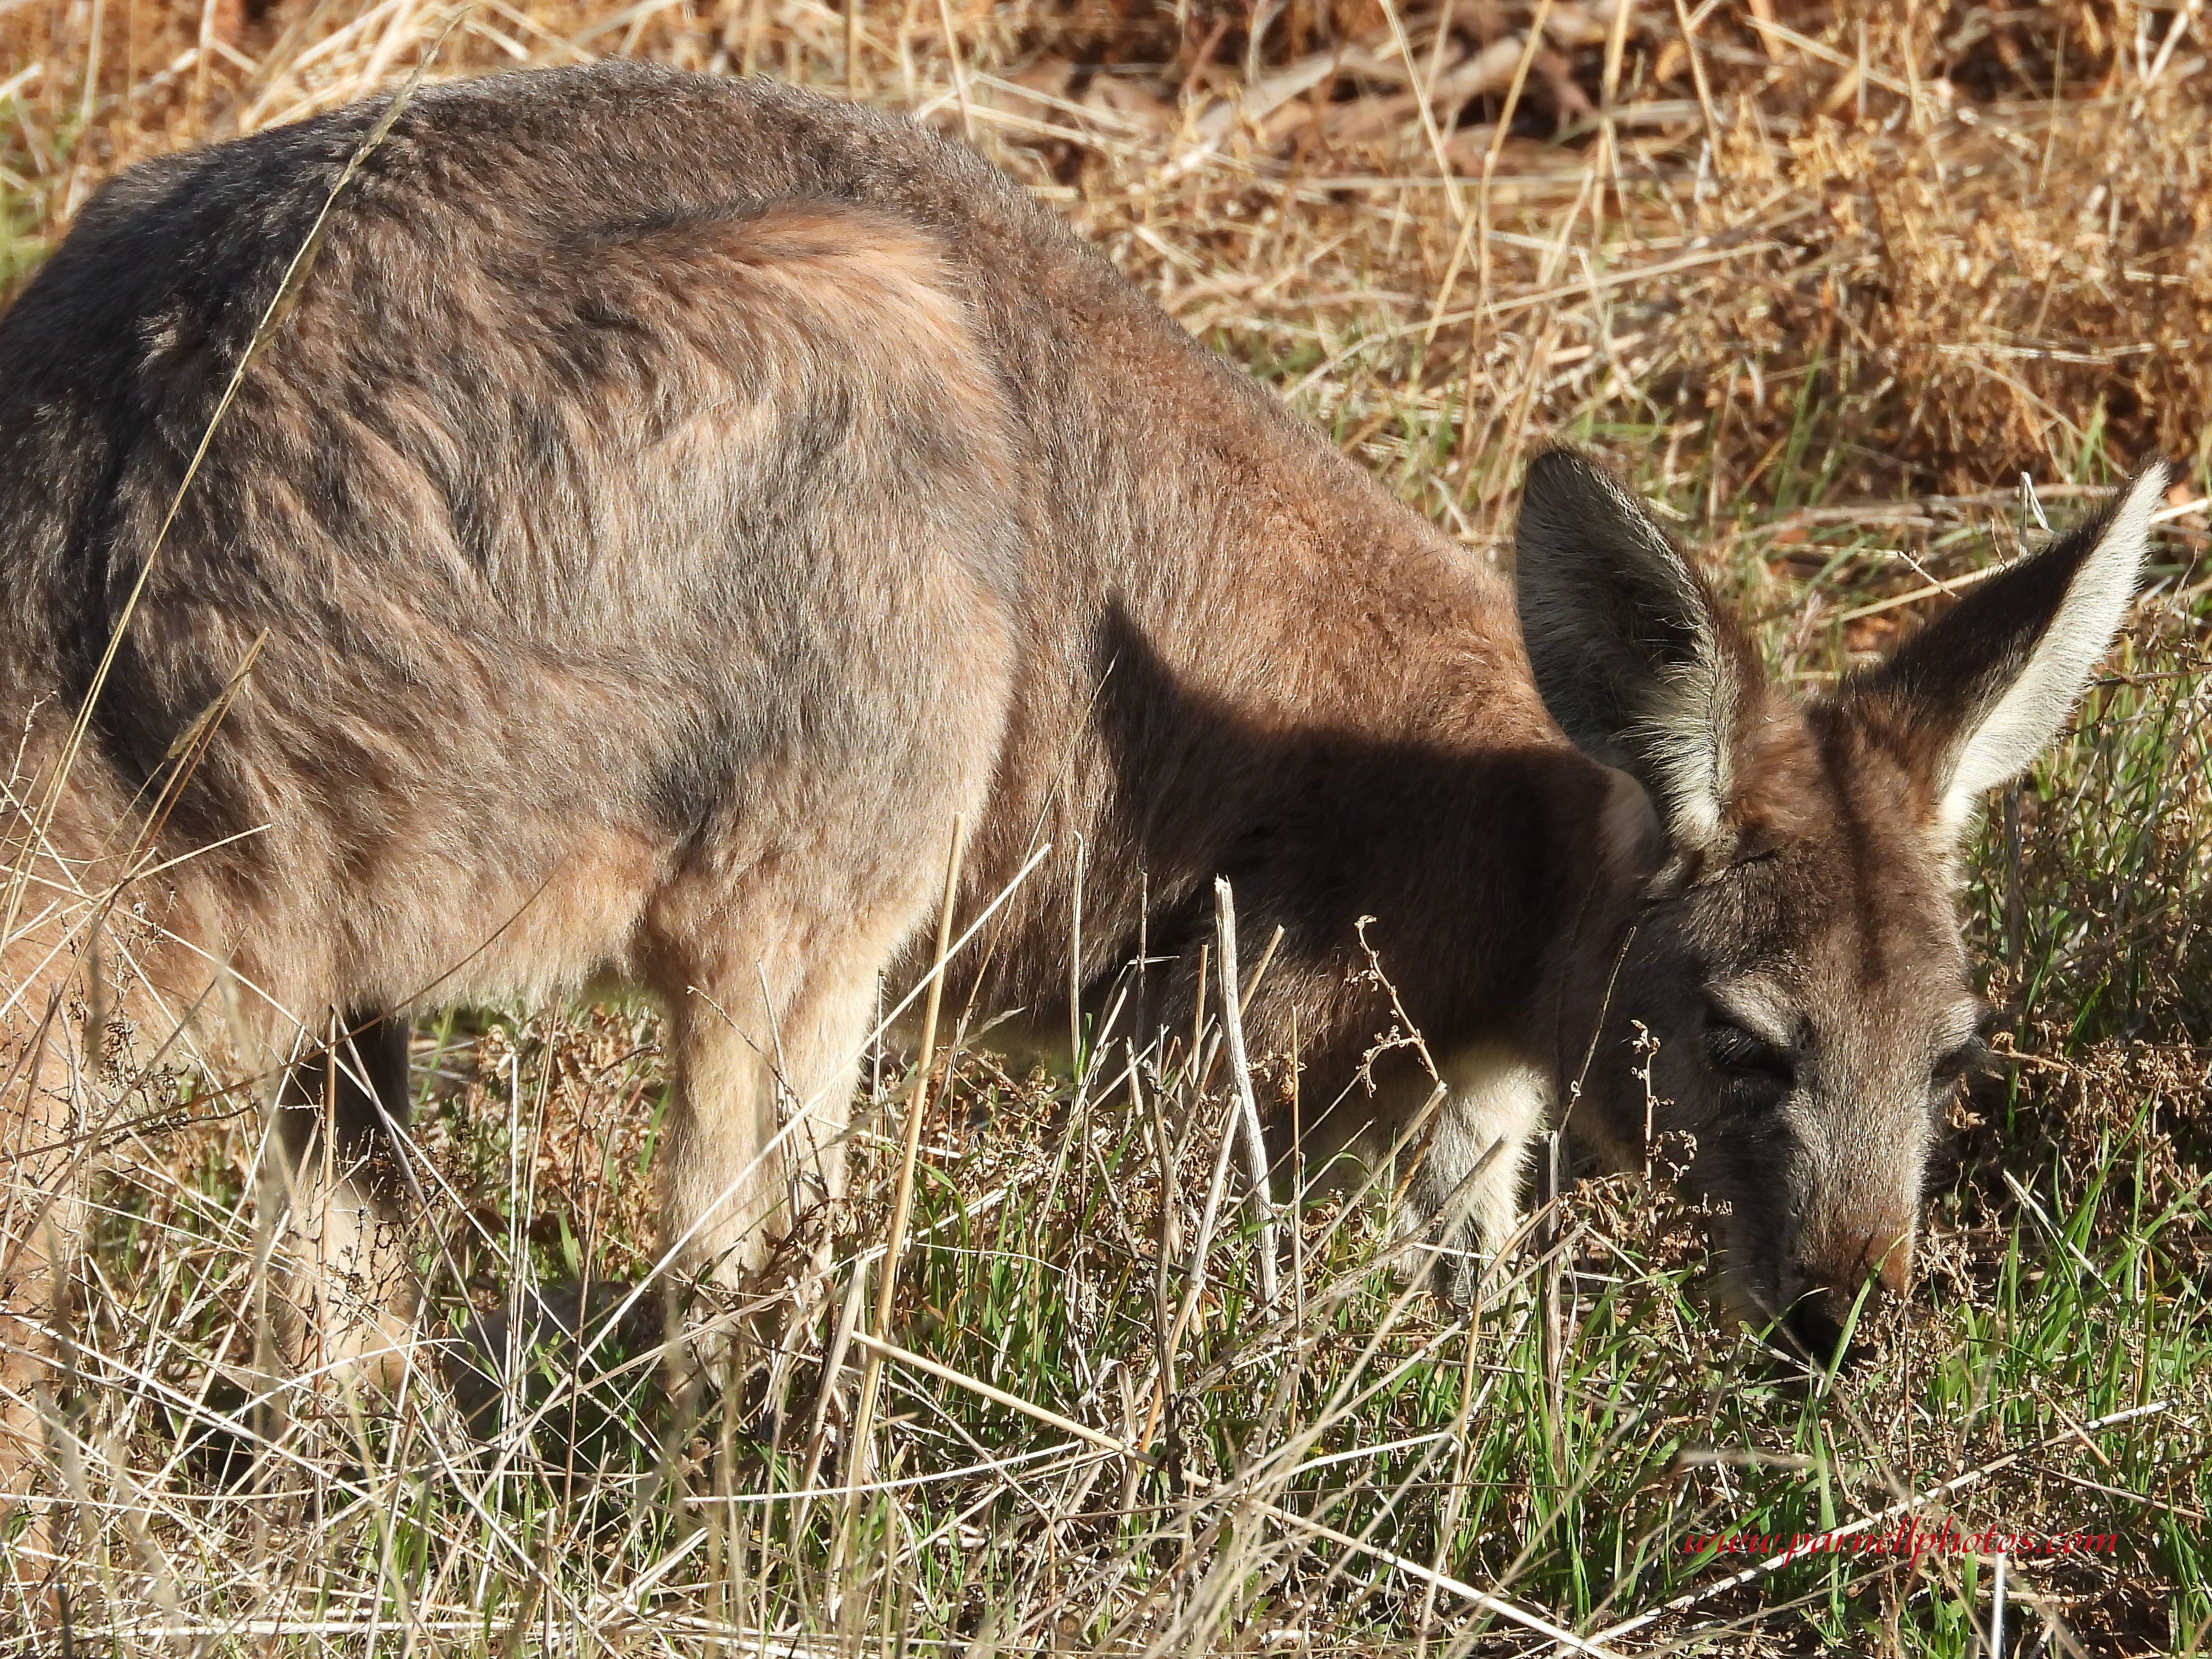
(1827,279)
(1963,241)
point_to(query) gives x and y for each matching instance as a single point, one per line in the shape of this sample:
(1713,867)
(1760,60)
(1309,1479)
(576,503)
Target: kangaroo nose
(1816,1334)
(1813,1327)
(1830,1275)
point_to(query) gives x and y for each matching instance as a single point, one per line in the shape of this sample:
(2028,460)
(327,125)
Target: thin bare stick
(1698,77)
(879,1351)
(1075,974)
(1422,105)
(818,1438)
(959,73)
(1616,47)
(1497,148)
(903,1199)
(1194,1267)
(1482,1599)
(1255,1147)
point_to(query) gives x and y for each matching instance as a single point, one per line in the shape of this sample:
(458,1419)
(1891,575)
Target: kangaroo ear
(1640,666)
(1969,701)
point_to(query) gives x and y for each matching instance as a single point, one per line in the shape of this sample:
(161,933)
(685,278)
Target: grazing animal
(608,526)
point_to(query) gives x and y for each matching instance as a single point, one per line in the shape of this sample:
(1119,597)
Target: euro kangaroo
(655,511)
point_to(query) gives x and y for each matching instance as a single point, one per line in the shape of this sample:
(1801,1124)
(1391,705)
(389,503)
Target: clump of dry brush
(1935,244)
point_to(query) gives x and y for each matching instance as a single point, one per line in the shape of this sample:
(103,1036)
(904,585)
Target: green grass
(1570,1486)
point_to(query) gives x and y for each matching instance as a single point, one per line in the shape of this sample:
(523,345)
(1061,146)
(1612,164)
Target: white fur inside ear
(2032,710)
(1690,734)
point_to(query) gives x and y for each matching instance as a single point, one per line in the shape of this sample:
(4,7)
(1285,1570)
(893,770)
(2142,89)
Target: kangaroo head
(1792,940)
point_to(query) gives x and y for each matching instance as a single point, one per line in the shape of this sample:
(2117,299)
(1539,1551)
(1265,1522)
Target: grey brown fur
(672,503)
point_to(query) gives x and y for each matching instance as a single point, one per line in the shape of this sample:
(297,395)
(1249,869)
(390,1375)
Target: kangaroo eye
(1745,1055)
(1968,1056)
